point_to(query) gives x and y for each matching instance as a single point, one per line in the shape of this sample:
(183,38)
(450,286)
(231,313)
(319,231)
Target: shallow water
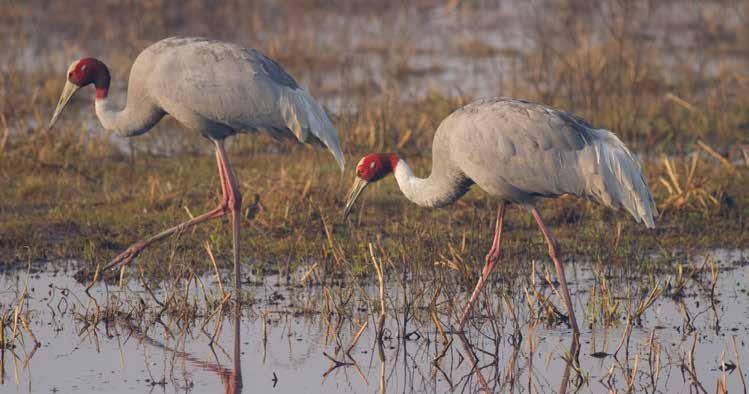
(287,337)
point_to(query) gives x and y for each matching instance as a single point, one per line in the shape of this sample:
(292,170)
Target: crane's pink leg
(491,258)
(235,206)
(231,201)
(555,255)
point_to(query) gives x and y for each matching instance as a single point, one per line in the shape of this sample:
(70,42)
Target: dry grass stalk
(718,156)
(433,315)
(6,133)
(643,305)
(688,189)
(625,337)
(215,267)
(631,383)
(380,279)
(738,362)
(355,340)
(690,368)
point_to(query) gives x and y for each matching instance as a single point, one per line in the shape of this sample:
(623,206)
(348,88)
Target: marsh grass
(79,192)
(405,305)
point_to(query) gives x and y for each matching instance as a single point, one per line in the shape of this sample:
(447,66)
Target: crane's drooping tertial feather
(519,152)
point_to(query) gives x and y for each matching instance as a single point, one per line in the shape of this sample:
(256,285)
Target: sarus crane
(518,152)
(215,88)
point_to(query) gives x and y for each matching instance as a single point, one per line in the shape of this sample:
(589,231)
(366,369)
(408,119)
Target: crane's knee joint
(493,257)
(235,203)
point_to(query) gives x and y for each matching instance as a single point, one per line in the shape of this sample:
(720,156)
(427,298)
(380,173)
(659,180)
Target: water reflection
(119,337)
(229,376)
(507,382)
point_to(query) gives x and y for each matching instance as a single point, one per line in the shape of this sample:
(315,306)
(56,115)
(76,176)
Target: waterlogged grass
(88,201)
(644,328)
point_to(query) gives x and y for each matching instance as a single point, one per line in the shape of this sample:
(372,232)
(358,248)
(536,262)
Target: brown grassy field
(668,77)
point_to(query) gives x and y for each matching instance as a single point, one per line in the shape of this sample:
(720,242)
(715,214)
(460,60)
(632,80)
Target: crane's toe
(125,257)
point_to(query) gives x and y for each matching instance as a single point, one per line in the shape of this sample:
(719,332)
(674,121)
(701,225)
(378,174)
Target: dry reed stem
(307,274)
(436,360)
(25,325)
(381,281)
(355,340)
(738,362)
(718,156)
(631,383)
(691,368)
(215,267)
(433,314)
(6,133)
(685,104)
(625,336)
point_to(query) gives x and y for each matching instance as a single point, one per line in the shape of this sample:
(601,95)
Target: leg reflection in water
(570,359)
(231,377)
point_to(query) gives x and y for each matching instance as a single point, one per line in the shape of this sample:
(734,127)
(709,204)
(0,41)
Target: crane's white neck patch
(436,190)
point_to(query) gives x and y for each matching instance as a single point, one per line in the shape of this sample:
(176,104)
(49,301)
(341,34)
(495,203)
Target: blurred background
(659,73)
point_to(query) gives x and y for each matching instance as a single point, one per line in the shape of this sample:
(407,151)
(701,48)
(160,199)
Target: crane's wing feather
(219,88)
(520,150)
(300,112)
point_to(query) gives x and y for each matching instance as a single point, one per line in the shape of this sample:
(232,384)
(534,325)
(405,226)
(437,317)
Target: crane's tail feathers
(305,117)
(616,180)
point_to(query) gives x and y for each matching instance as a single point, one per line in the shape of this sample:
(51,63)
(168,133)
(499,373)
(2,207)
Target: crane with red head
(214,88)
(519,152)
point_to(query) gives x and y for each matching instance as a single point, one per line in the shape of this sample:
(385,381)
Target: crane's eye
(372,165)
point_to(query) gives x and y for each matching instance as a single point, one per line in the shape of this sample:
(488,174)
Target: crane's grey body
(212,87)
(218,89)
(520,151)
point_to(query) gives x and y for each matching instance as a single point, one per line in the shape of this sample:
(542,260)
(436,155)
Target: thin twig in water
(738,363)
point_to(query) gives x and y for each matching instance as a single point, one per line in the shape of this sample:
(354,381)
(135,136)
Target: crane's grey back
(219,88)
(519,151)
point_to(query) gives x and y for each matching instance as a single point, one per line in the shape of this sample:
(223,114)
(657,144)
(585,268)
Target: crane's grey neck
(134,119)
(442,187)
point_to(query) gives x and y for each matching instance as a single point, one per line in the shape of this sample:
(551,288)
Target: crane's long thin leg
(231,201)
(555,255)
(491,258)
(235,206)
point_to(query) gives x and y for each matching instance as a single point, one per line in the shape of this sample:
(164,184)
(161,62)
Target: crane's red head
(81,73)
(371,168)
(87,71)
(376,166)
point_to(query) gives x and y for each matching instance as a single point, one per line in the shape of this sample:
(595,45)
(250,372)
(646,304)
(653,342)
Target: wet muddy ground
(297,335)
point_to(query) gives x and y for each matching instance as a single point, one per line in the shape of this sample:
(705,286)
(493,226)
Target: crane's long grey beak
(359,186)
(67,92)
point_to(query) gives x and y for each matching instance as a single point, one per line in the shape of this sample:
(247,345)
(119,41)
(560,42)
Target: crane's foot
(125,257)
